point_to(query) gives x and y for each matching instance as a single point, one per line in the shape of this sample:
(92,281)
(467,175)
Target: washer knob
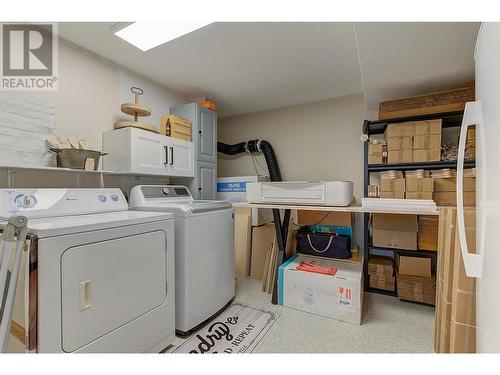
(114,197)
(25,201)
(101,198)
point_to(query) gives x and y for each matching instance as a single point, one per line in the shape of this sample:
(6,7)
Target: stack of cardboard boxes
(399,139)
(428,232)
(417,142)
(445,191)
(392,188)
(376,152)
(381,272)
(419,188)
(470,144)
(455,328)
(415,280)
(427,141)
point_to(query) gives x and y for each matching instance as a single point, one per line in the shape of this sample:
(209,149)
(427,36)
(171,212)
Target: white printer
(327,193)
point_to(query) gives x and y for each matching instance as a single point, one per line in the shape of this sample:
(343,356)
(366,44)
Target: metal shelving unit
(377,127)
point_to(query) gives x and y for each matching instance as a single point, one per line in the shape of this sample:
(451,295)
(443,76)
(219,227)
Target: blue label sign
(231,187)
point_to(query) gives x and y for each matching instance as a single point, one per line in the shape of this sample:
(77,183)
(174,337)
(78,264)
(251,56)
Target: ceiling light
(147,35)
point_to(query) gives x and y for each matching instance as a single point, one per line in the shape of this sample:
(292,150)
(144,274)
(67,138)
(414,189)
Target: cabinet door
(207,136)
(180,158)
(207,177)
(147,153)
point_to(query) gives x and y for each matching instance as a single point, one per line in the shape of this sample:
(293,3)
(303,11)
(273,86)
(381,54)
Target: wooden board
(441,102)
(133,109)
(138,125)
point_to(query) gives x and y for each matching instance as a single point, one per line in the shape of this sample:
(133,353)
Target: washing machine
(204,250)
(95,277)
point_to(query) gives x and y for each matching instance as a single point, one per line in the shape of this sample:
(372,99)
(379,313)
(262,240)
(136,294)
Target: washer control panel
(60,202)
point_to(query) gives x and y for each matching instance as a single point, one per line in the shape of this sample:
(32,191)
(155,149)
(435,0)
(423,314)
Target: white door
(147,153)
(207,180)
(485,114)
(179,157)
(107,284)
(207,133)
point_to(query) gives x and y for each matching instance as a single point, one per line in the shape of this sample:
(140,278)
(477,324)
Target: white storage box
(339,297)
(328,193)
(234,190)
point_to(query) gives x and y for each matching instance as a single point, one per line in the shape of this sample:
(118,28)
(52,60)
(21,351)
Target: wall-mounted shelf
(12,169)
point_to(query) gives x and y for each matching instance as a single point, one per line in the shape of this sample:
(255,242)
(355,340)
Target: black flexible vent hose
(255,145)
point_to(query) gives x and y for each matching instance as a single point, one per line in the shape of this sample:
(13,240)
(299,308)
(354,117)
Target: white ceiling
(400,60)
(250,67)
(244,67)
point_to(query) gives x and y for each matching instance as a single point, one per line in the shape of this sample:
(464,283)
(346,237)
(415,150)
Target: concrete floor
(389,326)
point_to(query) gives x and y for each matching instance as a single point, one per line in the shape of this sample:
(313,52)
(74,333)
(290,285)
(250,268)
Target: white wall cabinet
(137,151)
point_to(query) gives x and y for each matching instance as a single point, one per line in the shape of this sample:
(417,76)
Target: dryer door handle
(85,295)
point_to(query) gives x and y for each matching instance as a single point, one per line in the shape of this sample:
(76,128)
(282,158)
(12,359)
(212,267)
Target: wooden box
(441,102)
(175,127)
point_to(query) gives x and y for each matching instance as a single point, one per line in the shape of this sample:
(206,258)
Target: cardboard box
(449,198)
(234,190)
(419,195)
(420,184)
(375,153)
(393,184)
(392,194)
(381,266)
(450,184)
(340,219)
(416,288)
(421,156)
(416,266)
(395,231)
(338,297)
(428,226)
(430,141)
(400,156)
(405,129)
(399,143)
(262,243)
(379,282)
(427,127)
(242,241)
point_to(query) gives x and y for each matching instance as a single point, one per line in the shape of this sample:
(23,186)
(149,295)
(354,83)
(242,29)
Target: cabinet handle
(166,155)
(171,155)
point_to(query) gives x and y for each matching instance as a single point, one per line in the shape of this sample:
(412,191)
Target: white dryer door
(108,284)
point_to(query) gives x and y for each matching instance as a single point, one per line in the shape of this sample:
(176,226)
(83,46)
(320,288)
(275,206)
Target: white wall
(313,141)
(87,103)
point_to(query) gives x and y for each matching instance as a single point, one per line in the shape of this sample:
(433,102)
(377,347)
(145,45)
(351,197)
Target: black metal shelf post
(377,127)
